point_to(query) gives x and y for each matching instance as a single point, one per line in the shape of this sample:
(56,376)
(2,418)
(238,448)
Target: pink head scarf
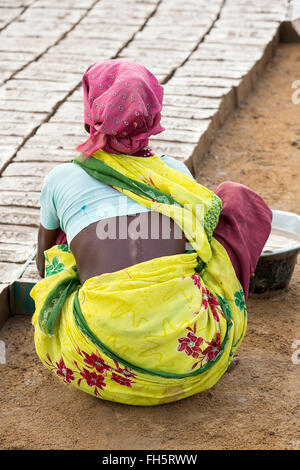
(122,105)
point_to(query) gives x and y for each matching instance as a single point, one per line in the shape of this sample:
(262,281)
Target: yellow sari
(155,332)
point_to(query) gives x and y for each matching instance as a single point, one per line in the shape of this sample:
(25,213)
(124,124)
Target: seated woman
(145,303)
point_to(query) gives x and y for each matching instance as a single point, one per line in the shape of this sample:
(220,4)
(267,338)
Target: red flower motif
(205,298)
(93,380)
(151,181)
(190,345)
(61,369)
(196,279)
(97,362)
(213,349)
(124,371)
(121,380)
(213,303)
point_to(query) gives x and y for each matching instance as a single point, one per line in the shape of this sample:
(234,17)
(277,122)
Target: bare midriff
(116,243)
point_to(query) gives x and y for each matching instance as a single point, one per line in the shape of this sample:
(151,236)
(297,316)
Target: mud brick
(44,15)
(162,45)
(180,123)
(17,198)
(22,57)
(36,72)
(11,66)
(17,3)
(77,96)
(244,88)
(32,153)
(180,151)
(244,33)
(188,113)
(81,56)
(254,16)
(63,129)
(67,4)
(17,234)
(105,31)
(33,95)
(8,273)
(82,60)
(208,92)
(26,183)
(28,169)
(29,106)
(194,5)
(241,66)
(72,116)
(6,154)
(167,32)
(192,80)
(190,137)
(4,75)
(19,44)
(227,104)
(114,11)
(223,52)
(21,117)
(51,30)
(54,64)
(183,14)
(182,18)
(258,7)
(142,2)
(7,151)
(8,14)
(31,274)
(201,149)
(16,129)
(238,22)
(40,85)
(54,142)
(43,85)
(20,216)
(191,101)
(14,253)
(10,141)
(160,55)
(140,8)
(221,38)
(103,48)
(200,70)
(246,71)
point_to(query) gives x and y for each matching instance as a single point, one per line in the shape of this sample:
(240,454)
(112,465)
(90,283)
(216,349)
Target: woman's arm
(46,239)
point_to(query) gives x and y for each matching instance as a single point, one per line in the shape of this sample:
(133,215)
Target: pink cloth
(243,229)
(61,238)
(122,105)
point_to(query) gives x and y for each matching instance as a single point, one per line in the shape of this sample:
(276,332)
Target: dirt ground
(256,406)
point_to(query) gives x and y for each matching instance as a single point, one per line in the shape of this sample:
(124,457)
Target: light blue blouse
(72,199)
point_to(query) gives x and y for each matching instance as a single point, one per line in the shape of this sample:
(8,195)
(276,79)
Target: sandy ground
(256,406)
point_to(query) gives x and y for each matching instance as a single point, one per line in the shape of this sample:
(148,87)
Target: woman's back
(105,229)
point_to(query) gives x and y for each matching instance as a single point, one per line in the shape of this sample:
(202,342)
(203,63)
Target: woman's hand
(46,239)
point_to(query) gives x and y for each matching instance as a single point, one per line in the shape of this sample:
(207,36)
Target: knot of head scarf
(122,105)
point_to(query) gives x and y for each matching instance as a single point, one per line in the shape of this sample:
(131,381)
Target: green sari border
(108,175)
(86,331)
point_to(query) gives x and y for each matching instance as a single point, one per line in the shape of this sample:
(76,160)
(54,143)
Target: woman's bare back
(114,244)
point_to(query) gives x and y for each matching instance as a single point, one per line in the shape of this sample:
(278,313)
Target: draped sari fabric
(151,333)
